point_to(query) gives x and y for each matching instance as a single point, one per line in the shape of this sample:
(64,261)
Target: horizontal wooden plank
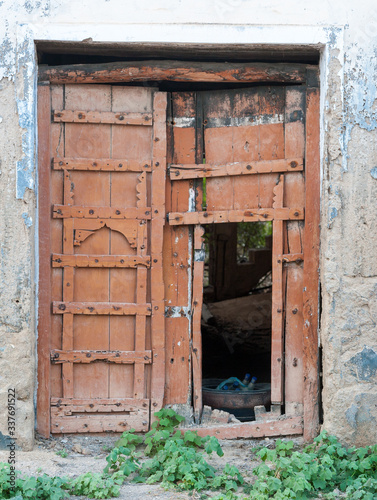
(68,211)
(61,260)
(93,408)
(102,117)
(100,422)
(130,403)
(281,427)
(102,165)
(197,71)
(120,357)
(255,214)
(101,308)
(292,257)
(195,171)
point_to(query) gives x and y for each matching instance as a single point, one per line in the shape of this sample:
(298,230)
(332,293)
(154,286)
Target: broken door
(104,167)
(249,146)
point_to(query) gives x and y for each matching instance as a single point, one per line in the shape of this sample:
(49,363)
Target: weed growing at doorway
(173,459)
(324,468)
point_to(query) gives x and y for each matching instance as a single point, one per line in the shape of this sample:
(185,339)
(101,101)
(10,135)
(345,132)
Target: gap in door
(236,315)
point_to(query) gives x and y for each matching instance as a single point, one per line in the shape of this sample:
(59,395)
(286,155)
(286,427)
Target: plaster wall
(347,35)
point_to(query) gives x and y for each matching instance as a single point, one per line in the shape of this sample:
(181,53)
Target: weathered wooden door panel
(108,149)
(177,262)
(254,148)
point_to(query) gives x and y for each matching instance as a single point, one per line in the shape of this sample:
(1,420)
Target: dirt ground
(88,453)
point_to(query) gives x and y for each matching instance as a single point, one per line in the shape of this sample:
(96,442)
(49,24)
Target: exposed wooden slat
(311,268)
(101,308)
(66,211)
(175,71)
(80,260)
(255,214)
(103,117)
(196,171)
(44,289)
(281,427)
(197,303)
(277,323)
(157,228)
(97,165)
(121,357)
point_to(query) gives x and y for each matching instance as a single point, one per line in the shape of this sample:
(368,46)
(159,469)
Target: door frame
(126,72)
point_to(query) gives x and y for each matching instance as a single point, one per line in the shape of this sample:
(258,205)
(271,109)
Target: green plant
(175,459)
(325,466)
(95,485)
(62,453)
(36,488)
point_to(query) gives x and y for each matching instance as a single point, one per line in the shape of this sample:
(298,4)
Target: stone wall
(347,35)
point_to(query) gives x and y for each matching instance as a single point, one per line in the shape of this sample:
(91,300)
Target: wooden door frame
(177,71)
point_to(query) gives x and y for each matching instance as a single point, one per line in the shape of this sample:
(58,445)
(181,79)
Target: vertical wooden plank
(177,266)
(294,326)
(294,194)
(129,189)
(277,333)
(197,303)
(68,287)
(141,290)
(311,264)
(156,244)
(44,291)
(56,234)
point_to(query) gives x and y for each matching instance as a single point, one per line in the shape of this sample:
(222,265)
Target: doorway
(231,157)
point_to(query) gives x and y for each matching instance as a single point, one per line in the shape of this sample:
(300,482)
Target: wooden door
(254,144)
(102,212)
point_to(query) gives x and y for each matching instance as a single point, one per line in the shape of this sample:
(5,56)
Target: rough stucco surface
(349,188)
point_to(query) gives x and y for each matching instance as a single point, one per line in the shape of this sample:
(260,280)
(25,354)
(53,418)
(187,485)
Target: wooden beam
(44,289)
(89,415)
(92,405)
(98,165)
(273,428)
(101,308)
(80,260)
(196,171)
(197,304)
(251,215)
(156,238)
(311,267)
(178,71)
(77,212)
(102,117)
(119,357)
(277,316)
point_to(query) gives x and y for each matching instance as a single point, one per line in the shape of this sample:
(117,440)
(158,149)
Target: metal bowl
(239,403)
